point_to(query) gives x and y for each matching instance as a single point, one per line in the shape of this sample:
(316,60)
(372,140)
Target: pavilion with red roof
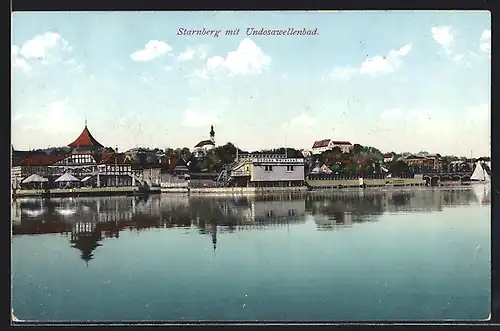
(85,141)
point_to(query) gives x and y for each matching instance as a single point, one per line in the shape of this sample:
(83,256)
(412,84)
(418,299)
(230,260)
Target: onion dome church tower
(212,134)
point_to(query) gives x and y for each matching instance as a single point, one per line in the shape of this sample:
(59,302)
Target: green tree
(398,167)
(336,151)
(357,149)
(185,153)
(169,152)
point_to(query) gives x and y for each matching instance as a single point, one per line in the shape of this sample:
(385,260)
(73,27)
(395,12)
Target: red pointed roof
(85,140)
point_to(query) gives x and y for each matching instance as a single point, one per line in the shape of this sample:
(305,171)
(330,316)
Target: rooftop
(41,160)
(205,143)
(85,140)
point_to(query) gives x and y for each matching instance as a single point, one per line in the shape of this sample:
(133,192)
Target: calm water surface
(415,254)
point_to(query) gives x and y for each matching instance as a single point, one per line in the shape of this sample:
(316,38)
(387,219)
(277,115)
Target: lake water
(388,254)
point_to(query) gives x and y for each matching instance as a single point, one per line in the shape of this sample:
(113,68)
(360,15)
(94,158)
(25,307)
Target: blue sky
(402,81)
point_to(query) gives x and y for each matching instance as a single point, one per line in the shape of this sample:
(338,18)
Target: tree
(398,167)
(185,153)
(178,152)
(357,149)
(373,152)
(336,151)
(193,164)
(327,157)
(169,152)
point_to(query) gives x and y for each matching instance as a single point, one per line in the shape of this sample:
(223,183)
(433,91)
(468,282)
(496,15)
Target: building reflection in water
(88,221)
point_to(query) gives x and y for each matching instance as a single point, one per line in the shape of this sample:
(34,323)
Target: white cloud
(196,119)
(375,65)
(152,50)
(301,121)
(215,62)
(442,35)
(485,41)
(194,52)
(384,64)
(247,59)
(41,46)
(48,48)
(17,61)
(187,55)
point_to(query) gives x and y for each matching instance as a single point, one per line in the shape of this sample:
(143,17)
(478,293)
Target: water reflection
(88,221)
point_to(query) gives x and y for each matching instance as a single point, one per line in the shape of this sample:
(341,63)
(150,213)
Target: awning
(35,179)
(67,177)
(86,178)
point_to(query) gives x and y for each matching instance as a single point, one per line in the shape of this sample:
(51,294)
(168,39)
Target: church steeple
(212,134)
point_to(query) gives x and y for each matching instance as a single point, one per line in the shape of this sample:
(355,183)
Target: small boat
(481,183)
(480,175)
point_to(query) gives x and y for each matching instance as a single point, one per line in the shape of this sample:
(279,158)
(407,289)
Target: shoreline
(76,192)
(313,186)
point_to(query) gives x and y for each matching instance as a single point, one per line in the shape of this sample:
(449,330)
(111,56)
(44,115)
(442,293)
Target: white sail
(478,173)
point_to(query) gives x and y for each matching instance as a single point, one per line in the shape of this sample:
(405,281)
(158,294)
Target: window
(268,168)
(289,168)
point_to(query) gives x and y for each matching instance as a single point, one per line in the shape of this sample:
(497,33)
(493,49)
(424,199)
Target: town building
(388,157)
(323,169)
(201,148)
(149,174)
(422,162)
(324,145)
(86,161)
(175,173)
(264,170)
(145,155)
(306,152)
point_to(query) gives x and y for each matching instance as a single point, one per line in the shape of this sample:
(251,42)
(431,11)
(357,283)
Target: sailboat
(481,182)
(480,175)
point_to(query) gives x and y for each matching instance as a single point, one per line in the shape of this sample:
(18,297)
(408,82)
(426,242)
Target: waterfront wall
(234,190)
(335,183)
(96,191)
